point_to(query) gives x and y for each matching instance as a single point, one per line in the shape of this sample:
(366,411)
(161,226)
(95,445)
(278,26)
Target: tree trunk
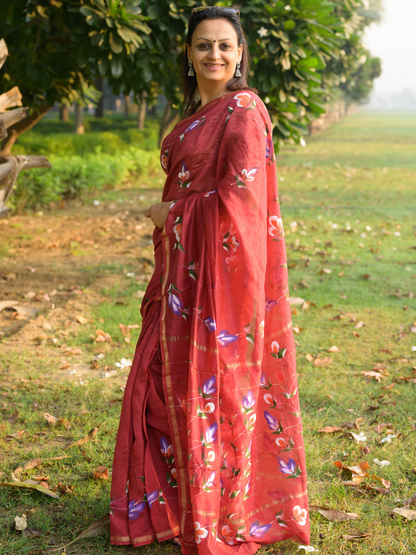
(99,110)
(79,119)
(169,117)
(21,127)
(127,106)
(64,112)
(141,115)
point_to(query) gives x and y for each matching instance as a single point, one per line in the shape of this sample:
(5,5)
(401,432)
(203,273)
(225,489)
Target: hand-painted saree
(210,443)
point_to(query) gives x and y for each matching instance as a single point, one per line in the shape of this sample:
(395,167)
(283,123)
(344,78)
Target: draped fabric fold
(229,374)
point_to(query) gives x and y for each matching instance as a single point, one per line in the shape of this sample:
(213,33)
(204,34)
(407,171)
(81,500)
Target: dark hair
(190,86)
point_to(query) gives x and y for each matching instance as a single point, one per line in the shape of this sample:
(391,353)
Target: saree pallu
(215,425)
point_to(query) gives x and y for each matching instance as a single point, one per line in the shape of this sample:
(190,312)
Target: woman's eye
(225,46)
(203,45)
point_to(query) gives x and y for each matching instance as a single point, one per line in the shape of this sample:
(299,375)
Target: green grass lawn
(348,203)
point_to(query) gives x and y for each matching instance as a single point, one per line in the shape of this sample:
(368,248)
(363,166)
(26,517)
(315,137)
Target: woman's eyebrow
(209,40)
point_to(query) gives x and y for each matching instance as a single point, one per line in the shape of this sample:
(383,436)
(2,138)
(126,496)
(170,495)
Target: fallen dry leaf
(406,513)
(101,473)
(90,436)
(296,301)
(97,528)
(33,463)
(64,489)
(20,522)
(52,420)
(360,325)
(410,501)
(334,349)
(309,357)
(359,469)
(28,485)
(31,533)
(82,320)
(12,419)
(102,336)
(330,430)
(355,536)
(332,514)
(372,374)
(324,361)
(16,435)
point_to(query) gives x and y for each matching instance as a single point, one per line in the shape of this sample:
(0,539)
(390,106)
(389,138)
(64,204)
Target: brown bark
(64,112)
(21,127)
(127,105)
(79,119)
(169,117)
(141,115)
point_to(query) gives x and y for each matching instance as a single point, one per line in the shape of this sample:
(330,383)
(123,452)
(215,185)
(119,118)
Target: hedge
(71,176)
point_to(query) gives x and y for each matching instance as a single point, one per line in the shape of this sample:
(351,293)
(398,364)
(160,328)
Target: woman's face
(214,51)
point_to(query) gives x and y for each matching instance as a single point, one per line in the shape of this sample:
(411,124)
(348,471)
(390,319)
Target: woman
(209,450)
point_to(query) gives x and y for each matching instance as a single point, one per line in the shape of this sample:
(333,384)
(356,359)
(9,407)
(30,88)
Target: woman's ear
(240,52)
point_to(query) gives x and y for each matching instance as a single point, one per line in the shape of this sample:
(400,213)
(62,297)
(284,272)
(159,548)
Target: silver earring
(191,72)
(237,70)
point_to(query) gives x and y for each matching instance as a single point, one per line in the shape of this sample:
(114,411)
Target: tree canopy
(301,51)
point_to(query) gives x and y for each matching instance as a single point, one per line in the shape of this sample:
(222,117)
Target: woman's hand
(158,213)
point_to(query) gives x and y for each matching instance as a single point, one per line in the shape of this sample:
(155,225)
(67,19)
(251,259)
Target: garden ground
(348,204)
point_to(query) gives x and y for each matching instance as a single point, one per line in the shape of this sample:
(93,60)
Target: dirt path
(49,260)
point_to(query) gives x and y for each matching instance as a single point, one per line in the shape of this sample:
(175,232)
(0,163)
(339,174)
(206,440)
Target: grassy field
(349,204)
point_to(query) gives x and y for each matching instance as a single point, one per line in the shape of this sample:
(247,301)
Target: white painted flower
(209,407)
(382,463)
(263,32)
(300,515)
(200,532)
(124,363)
(388,438)
(276,226)
(268,398)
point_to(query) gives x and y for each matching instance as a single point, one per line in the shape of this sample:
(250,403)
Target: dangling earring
(191,72)
(237,70)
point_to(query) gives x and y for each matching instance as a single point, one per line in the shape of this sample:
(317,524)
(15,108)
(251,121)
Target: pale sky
(394,41)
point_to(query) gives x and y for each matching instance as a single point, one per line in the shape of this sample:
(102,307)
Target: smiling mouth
(214,65)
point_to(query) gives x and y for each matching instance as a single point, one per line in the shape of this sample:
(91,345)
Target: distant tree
(57,49)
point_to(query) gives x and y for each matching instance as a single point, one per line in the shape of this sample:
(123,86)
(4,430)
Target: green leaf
(289,25)
(116,67)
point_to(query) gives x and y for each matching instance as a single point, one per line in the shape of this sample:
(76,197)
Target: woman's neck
(208,94)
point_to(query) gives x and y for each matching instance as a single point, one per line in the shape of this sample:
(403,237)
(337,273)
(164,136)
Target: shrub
(70,144)
(71,176)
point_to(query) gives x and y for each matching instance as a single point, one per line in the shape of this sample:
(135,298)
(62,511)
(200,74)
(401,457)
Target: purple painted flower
(268,148)
(225,338)
(272,422)
(135,509)
(248,401)
(175,304)
(192,126)
(288,467)
(270,303)
(164,445)
(210,324)
(151,497)
(208,386)
(211,433)
(258,530)
(263,380)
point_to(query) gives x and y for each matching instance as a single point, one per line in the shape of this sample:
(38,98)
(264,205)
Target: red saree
(210,442)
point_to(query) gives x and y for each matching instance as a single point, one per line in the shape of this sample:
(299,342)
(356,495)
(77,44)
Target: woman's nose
(215,52)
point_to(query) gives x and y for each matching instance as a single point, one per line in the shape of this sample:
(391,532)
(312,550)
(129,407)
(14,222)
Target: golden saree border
(170,404)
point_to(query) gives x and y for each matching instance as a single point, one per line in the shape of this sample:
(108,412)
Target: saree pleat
(215,452)
(138,466)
